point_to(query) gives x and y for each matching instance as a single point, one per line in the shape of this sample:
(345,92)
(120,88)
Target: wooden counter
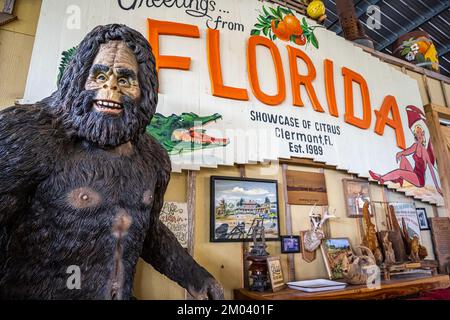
(394,288)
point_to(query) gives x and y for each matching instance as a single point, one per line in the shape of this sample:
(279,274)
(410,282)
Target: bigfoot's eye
(101,77)
(124,82)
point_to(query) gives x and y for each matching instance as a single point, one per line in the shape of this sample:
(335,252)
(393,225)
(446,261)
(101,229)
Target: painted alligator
(184,133)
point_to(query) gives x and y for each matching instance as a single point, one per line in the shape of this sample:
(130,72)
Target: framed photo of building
(290,244)
(422,218)
(238,206)
(356,193)
(334,250)
(275,273)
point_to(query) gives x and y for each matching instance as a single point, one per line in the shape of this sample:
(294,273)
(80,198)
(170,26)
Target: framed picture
(406,213)
(290,244)
(356,193)
(275,273)
(422,218)
(334,250)
(238,206)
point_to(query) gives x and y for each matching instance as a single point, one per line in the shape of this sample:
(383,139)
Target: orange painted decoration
(215,70)
(253,71)
(329,88)
(390,106)
(157,28)
(298,80)
(350,77)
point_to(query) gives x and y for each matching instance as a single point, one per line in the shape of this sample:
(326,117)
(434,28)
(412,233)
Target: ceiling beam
(360,11)
(420,20)
(444,50)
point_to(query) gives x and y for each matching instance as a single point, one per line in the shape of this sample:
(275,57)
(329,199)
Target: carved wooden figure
(415,248)
(370,237)
(355,268)
(389,255)
(82,184)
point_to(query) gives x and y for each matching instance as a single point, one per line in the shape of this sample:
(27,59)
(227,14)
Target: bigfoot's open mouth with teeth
(108,107)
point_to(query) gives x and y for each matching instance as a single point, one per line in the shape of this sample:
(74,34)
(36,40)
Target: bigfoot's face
(109,92)
(114,78)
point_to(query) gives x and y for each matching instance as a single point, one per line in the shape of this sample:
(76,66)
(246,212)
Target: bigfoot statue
(82,185)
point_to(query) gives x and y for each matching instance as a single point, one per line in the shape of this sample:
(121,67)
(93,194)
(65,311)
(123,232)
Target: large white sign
(259,83)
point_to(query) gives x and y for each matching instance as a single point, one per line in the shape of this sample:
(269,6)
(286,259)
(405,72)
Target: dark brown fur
(72,196)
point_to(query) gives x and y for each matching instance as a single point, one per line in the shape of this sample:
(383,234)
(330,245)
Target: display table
(394,288)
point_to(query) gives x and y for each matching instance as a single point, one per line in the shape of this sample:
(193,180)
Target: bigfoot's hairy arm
(163,251)
(24,136)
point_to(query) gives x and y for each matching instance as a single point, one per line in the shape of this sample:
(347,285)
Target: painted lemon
(316,9)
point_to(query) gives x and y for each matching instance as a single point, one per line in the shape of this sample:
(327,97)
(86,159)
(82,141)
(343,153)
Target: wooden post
(191,193)
(288,219)
(441,146)
(444,93)
(245,245)
(427,88)
(191,196)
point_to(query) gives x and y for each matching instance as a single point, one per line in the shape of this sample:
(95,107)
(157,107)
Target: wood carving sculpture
(355,268)
(81,184)
(389,255)
(396,237)
(415,248)
(370,237)
(416,252)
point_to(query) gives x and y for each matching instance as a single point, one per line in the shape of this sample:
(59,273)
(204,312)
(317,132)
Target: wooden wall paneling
(288,220)
(445,94)
(441,149)
(191,198)
(245,245)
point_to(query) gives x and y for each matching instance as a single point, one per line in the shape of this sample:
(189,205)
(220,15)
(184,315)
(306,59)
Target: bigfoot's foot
(376,177)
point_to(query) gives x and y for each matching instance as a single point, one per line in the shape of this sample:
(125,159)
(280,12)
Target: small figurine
(388,250)
(415,248)
(423,252)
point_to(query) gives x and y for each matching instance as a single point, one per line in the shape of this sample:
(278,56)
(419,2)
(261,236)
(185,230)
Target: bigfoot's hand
(206,287)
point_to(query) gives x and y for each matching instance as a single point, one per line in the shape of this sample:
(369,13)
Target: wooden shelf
(394,288)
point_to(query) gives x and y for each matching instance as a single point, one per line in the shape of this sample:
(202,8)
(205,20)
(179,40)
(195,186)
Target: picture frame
(406,212)
(275,271)
(333,251)
(238,205)
(423,219)
(290,244)
(356,193)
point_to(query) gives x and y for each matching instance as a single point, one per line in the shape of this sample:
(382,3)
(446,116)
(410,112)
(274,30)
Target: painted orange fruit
(423,46)
(281,30)
(300,40)
(293,25)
